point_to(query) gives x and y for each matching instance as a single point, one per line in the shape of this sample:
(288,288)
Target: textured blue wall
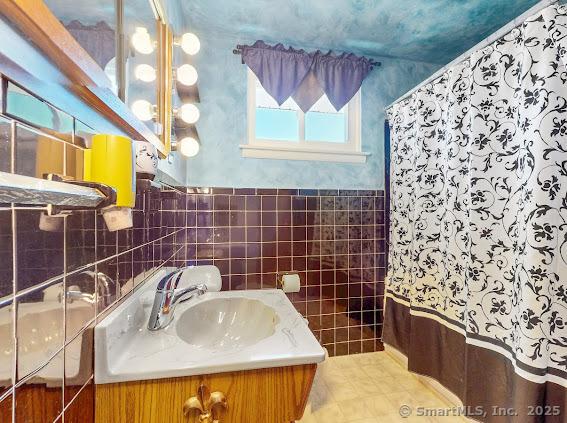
(434,31)
(223,126)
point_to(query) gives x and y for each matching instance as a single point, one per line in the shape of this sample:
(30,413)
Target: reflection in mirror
(5,146)
(83,134)
(7,350)
(140,33)
(6,252)
(93,25)
(40,334)
(125,278)
(39,398)
(40,330)
(6,408)
(37,154)
(80,243)
(27,107)
(80,306)
(81,409)
(107,277)
(79,363)
(111,71)
(41,237)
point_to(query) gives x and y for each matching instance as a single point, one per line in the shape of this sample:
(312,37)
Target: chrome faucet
(105,293)
(167,297)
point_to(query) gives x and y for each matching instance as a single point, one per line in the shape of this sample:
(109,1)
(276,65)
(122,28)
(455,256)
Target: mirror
(140,30)
(130,40)
(94,27)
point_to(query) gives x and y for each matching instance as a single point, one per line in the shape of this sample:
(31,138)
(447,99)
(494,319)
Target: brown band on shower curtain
(478,376)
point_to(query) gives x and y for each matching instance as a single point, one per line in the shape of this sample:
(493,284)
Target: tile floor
(369,388)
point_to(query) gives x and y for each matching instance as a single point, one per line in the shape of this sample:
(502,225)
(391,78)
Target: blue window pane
(277,124)
(329,127)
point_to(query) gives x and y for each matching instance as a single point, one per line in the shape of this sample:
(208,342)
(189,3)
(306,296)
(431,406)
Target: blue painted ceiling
(434,31)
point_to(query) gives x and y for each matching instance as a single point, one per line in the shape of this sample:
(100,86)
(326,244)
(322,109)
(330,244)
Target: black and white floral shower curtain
(477,279)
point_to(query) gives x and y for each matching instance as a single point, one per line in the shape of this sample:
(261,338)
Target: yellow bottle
(111,161)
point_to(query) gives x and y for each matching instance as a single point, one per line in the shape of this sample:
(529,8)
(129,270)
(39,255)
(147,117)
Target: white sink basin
(227,323)
(216,332)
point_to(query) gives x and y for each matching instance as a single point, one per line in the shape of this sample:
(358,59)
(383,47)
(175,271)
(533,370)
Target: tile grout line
(261,211)
(246,240)
(64,306)
(14,311)
(66,407)
(334,280)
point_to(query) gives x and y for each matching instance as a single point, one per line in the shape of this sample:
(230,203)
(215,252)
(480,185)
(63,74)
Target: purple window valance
(287,72)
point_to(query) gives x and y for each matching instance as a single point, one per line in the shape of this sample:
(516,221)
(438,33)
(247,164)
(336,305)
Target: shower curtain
(476,295)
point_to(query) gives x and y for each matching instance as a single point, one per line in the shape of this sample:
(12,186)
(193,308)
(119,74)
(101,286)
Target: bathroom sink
(213,333)
(229,323)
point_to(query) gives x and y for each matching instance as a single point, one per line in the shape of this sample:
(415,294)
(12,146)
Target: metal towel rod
(66,195)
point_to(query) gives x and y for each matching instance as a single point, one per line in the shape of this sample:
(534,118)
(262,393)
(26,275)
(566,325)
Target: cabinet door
(275,395)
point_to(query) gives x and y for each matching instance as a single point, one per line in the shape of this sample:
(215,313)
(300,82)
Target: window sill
(285,153)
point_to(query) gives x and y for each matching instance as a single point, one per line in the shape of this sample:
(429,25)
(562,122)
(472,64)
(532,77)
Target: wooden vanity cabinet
(275,395)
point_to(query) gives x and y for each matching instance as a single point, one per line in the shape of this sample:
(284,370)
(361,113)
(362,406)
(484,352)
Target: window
(285,132)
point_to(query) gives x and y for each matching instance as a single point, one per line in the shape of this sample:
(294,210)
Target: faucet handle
(178,294)
(167,296)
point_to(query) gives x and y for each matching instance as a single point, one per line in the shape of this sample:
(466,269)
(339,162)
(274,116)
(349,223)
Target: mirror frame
(87,79)
(165,81)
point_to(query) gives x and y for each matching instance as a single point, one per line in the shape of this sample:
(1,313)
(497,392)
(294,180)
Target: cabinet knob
(207,404)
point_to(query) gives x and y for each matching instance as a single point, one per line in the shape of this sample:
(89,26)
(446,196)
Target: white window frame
(349,152)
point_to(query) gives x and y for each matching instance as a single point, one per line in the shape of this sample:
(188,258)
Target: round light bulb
(190,43)
(188,146)
(142,41)
(187,75)
(145,73)
(143,110)
(189,113)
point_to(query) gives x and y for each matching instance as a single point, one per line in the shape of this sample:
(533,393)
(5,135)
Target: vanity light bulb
(143,110)
(189,113)
(142,41)
(188,146)
(145,73)
(187,75)
(190,43)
